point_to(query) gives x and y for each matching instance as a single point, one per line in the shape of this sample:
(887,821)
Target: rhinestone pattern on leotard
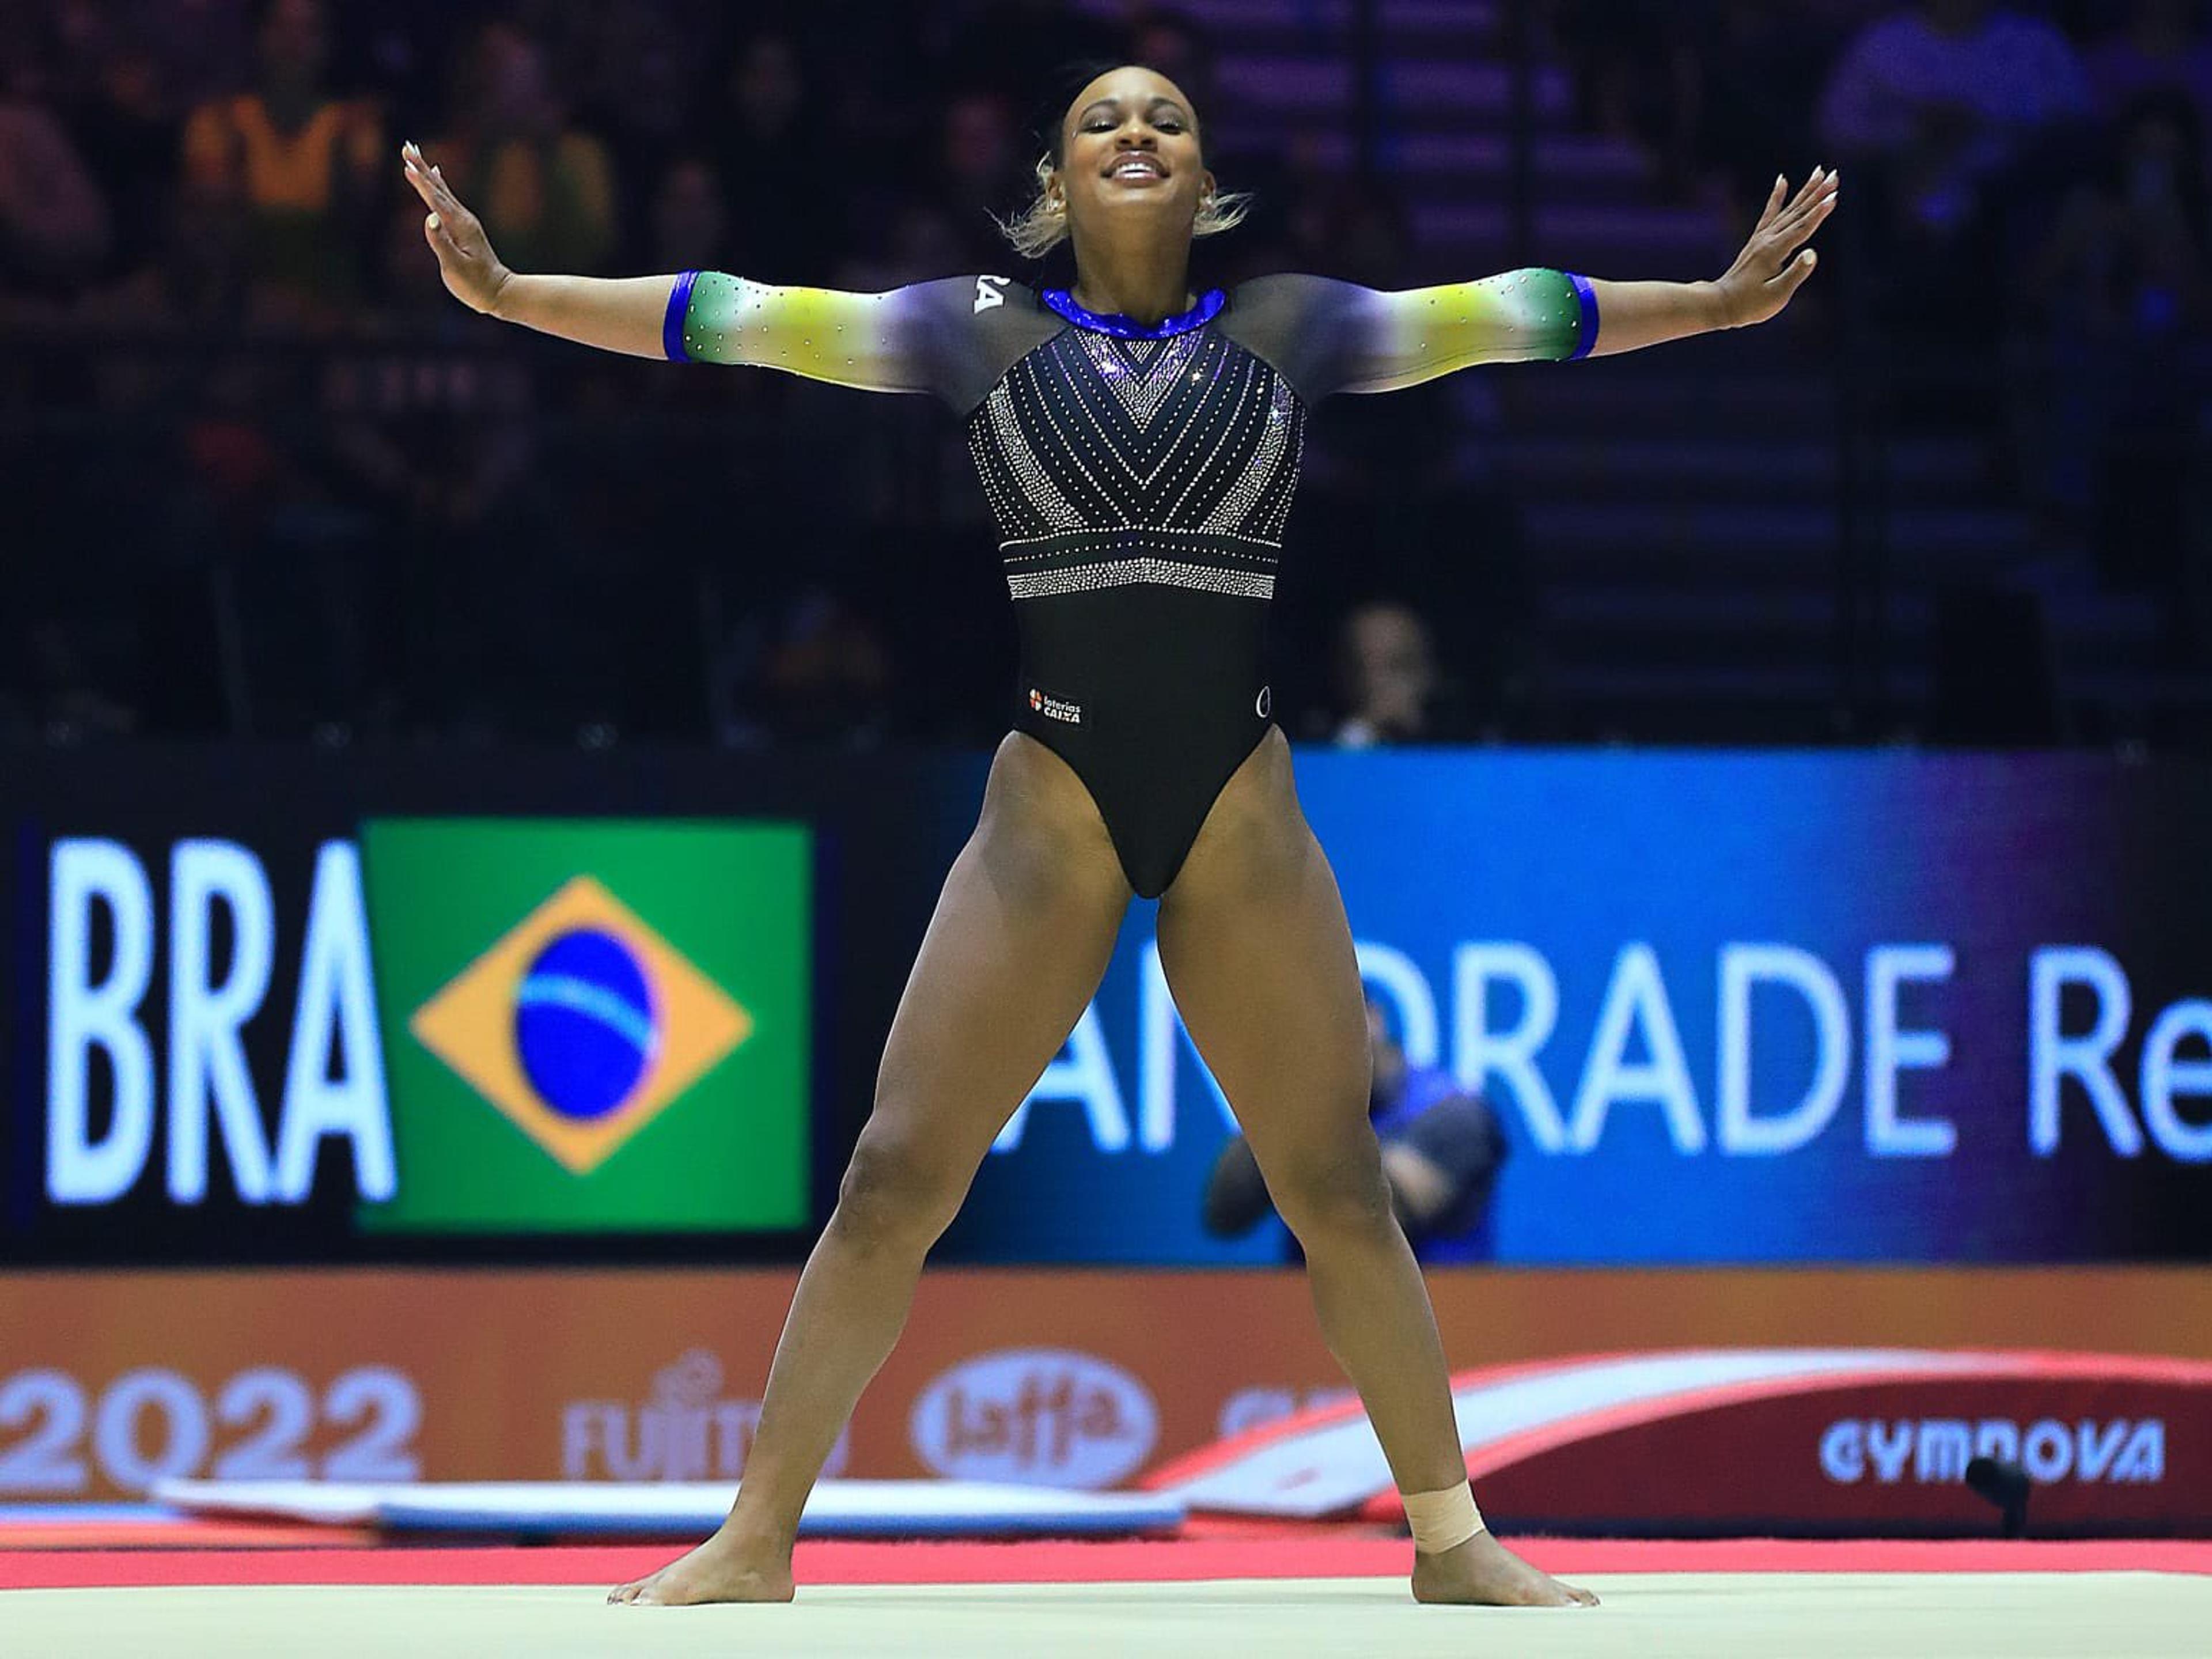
(1112,462)
(1120,573)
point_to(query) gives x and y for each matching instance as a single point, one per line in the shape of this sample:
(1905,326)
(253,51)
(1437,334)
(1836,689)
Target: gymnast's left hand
(473,273)
(1775,262)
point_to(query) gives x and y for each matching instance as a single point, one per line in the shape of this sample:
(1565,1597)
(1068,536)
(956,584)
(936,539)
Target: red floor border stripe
(1061,1562)
(180,1536)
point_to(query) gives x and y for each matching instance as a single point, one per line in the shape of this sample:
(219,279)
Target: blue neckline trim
(1123,328)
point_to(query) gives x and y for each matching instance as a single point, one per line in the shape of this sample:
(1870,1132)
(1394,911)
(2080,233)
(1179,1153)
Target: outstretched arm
(1392,340)
(1766,277)
(864,340)
(613,314)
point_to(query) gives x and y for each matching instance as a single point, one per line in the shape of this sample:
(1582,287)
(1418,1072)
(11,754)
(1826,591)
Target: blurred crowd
(2029,244)
(265,478)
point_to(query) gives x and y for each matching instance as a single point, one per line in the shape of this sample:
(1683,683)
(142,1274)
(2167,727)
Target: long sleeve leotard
(1140,477)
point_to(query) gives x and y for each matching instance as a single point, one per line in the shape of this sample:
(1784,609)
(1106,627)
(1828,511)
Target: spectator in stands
(307,164)
(635,75)
(2124,275)
(2159,44)
(1948,94)
(203,48)
(918,243)
(199,277)
(1752,71)
(1172,43)
(1442,1147)
(546,186)
(820,675)
(195,51)
(1387,676)
(53,223)
(125,124)
(1028,43)
(691,225)
(2126,262)
(978,171)
(425,484)
(1635,74)
(778,162)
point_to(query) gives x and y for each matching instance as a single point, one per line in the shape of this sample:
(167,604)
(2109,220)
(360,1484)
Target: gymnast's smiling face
(1130,164)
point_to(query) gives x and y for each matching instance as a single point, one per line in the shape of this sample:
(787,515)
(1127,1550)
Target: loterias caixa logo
(593,1025)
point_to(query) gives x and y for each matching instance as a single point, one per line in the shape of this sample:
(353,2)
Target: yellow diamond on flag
(580,1024)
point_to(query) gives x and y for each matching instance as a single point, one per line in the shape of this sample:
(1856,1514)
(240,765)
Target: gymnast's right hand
(472,271)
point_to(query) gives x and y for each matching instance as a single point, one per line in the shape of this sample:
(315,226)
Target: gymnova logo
(581,1023)
(1936,1450)
(1037,1417)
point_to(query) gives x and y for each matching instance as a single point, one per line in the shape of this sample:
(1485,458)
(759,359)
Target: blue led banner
(1727,1008)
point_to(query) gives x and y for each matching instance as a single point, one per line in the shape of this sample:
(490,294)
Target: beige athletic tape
(1442,1520)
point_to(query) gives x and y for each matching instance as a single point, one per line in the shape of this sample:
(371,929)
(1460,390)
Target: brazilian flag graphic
(593,1025)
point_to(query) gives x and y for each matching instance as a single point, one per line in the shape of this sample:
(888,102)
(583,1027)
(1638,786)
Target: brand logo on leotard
(1054,709)
(990,291)
(1264,704)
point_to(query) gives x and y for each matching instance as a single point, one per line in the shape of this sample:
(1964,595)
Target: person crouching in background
(1442,1147)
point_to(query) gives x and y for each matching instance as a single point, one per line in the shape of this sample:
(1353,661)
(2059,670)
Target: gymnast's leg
(1258,953)
(1020,938)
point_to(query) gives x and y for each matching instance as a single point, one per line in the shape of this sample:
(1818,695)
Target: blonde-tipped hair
(1042,225)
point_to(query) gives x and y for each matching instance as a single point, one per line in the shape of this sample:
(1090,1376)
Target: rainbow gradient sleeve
(868,341)
(1389,341)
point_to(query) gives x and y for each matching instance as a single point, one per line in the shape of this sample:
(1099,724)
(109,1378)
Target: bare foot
(723,1569)
(1483,1572)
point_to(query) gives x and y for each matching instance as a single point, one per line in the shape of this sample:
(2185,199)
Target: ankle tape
(1442,1520)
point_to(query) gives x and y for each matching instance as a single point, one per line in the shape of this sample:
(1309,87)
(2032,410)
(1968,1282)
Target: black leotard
(1141,478)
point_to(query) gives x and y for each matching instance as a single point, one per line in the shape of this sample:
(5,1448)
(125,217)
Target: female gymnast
(1139,445)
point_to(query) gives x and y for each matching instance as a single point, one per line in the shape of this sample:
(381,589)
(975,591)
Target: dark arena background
(470,806)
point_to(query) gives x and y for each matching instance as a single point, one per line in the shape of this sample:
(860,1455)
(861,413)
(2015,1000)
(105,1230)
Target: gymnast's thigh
(1259,956)
(1018,942)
